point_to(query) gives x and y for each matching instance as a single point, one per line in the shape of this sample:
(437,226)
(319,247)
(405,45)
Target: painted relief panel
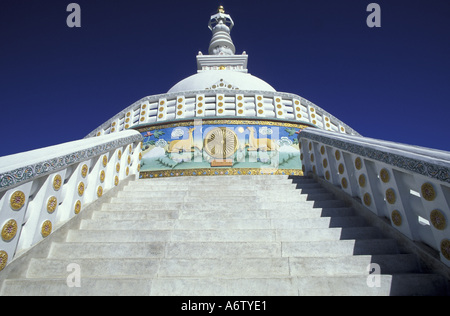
(204,147)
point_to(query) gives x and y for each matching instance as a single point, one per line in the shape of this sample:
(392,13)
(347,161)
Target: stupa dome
(221,79)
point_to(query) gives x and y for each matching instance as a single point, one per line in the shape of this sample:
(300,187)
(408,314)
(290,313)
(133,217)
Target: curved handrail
(410,185)
(43,188)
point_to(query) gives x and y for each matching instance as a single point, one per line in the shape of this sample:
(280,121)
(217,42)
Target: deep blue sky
(57,83)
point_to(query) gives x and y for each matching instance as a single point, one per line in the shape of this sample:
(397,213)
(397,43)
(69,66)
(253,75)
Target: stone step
(234,178)
(352,265)
(167,250)
(272,193)
(220,181)
(321,222)
(339,248)
(224,267)
(221,224)
(88,287)
(221,214)
(401,284)
(235,235)
(161,204)
(136,215)
(102,250)
(110,236)
(216,187)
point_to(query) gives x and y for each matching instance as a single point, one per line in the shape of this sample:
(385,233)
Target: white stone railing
(225,104)
(407,184)
(42,189)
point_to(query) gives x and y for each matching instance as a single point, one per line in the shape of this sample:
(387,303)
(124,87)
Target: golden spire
(221,9)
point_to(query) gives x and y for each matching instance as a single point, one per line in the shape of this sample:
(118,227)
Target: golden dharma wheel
(221,142)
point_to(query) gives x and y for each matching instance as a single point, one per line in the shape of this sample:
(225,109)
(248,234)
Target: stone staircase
(226,235)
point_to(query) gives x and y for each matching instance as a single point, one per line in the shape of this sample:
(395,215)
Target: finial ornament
(221,24)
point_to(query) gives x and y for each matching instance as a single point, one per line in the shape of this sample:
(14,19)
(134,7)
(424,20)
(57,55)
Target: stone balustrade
(409,185)
(42,189)
(222,104)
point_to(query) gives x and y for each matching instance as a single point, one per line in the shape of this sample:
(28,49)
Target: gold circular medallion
(390,196)
(52,203)
(367,199)
(3,259)
(77,207)
(80,189)
(116,180)
(325,162)
(221,142)
(17,200)
(312,158)
(327,175)
(384,175)
(337,154)
(99,191)
(438,219)
(84,170)
(341,168)
(9,230)
(57,182)
(344,183)
(102,176)
(362,180)
(118,167)
(445,248)
(358,163)
(322,150)
(428,192)
(105,160)
(396,218)
(46,228)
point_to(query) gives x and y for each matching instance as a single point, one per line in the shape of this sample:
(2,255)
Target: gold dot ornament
(390,196)
(84,170)
(77,207)
(17,200)
(445,248)
(396,218)
(367,199)
(52,203)
(46,228)
(99,191)
(57,182)
(428,192)
(438,219)
(80,189)
(358,163)
(9,230)
(384,175)
(3,259)
(362,180)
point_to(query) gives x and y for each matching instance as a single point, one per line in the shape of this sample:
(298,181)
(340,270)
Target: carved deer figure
(266,144)
(176,146)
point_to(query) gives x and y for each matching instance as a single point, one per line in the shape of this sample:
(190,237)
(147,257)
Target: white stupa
(222,93)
